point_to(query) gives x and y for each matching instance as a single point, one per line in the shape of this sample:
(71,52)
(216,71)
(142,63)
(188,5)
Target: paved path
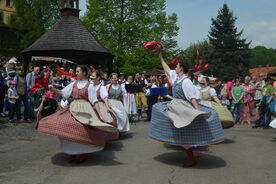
(248,156)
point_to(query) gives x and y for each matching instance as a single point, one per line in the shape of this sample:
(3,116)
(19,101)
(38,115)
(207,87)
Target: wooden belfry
(70,4)
(71,40)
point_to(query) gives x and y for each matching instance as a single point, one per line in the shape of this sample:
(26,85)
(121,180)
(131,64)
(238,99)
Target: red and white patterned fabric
(65,126)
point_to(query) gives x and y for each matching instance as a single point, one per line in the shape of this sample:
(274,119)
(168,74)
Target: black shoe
(256,126)
(266,127)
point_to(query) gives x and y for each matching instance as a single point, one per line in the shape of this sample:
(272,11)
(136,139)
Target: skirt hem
(193,145)
(81,142)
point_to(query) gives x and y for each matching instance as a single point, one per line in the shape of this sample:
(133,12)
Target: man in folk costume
(79,126)
(184,122)
(115,96)
(140,95)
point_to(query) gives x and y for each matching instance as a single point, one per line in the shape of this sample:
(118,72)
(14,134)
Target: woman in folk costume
(188,128)
(115,95)
(77,138)
(209,98)
(129,98)
(104,104)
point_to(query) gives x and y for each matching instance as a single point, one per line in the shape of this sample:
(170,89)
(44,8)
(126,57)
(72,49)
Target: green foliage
(189,54)
(8,43)
(123,25)
(263,56)
(231,56)
(33,18)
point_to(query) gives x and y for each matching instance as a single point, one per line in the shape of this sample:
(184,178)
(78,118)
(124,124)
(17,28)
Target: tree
(263,56)
(231,55)
(33,18)
(122,25)
(189,54)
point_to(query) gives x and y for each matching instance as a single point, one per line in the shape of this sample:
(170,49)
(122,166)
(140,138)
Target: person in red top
(229,86)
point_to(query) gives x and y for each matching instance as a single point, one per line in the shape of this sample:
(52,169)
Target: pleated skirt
(200,132)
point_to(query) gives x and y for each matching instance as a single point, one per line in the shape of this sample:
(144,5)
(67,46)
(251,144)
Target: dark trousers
(13,108)
(151,100)
(33,103)
(6,104)
(229,107)
(24,99)
(265,117)
(2,103)
(237,112)
(265,113)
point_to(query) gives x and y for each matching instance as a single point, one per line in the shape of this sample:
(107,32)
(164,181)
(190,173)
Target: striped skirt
(200,132)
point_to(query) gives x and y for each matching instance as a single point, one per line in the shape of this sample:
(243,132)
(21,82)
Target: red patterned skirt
(65,126)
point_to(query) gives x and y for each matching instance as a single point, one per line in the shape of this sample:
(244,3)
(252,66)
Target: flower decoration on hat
(174,62)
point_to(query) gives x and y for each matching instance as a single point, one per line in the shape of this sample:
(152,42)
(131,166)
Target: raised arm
(164,64)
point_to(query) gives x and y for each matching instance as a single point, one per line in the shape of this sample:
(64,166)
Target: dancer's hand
(43,97)
(103,119)
(158,49)
(109,109)
(51,87)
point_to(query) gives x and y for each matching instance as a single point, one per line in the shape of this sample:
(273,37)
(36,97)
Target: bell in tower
(70,8)
(70,4)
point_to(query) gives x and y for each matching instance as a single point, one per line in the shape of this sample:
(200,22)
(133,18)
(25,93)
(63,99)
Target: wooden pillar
(62,4)
(77,4)
(67,3)
(72,3)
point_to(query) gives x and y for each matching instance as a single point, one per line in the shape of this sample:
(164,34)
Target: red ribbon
(40,82)
(201,66)
(66,73)
(91,67)
(168,82)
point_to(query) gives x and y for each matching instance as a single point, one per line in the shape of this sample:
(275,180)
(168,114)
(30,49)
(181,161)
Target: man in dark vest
(140,95)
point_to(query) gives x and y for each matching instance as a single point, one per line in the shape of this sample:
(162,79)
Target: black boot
(139,114)
(148,115)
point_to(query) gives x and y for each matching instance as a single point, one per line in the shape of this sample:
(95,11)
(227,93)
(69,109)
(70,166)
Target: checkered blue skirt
(200,132)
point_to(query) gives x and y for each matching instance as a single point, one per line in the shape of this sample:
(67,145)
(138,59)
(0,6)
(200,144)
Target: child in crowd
(237,94)
(12,102)
(225,102)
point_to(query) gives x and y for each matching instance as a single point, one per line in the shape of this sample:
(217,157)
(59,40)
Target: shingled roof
(155,72)
(70,39)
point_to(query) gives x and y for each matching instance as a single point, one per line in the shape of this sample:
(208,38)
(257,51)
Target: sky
(256,17)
